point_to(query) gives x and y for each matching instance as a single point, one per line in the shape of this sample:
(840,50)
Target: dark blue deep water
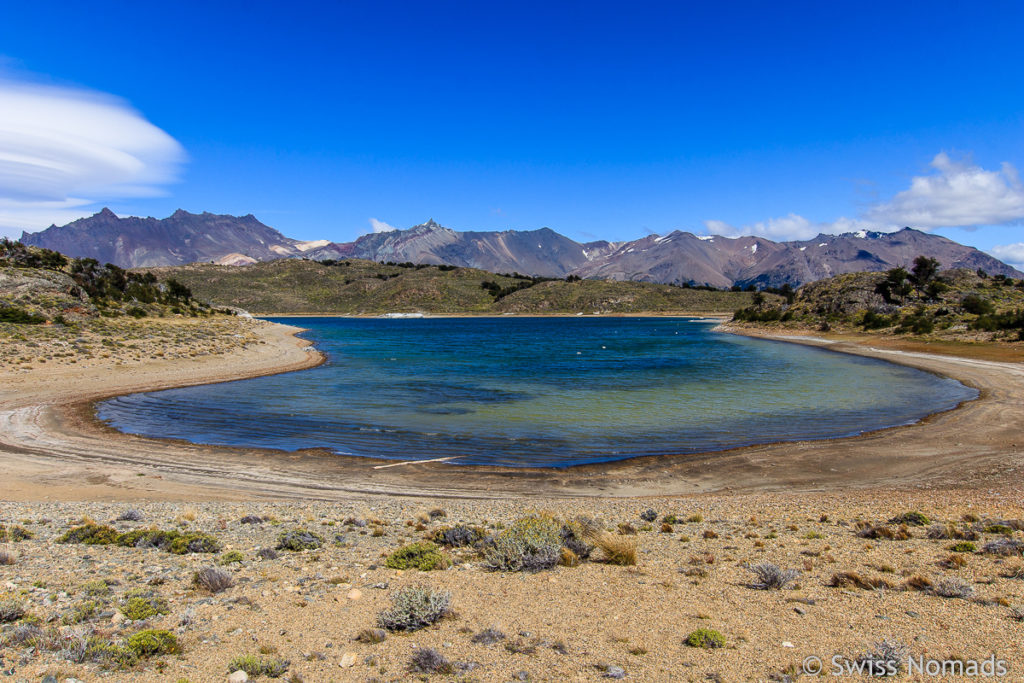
(550,392)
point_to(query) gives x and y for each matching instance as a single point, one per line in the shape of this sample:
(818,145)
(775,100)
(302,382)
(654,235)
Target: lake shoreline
(51,430)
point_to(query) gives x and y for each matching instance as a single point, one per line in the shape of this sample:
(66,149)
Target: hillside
(359,287)
(957,304)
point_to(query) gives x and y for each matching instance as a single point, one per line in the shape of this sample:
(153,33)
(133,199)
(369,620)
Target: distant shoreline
(51,427)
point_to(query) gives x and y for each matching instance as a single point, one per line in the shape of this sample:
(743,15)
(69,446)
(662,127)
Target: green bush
(912,518)
(422,555)
(90,534)
(963,547)
(14,534)
(19,316)
(978,305)
(299,539)
(459,535)
(531,543)
(194,543)
(255,666)
(138,609)
(83,611)
(415,607)
(152,642)
(231,557)
(705,638)
(874,321)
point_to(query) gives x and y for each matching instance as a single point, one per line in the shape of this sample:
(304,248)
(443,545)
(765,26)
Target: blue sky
(599,120)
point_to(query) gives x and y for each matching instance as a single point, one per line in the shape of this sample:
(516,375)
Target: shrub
(372,636)
(949,531)
(882,532)
(426,660)
(771,576)
(953,588)
(96,588)
(152,642)
(1004,529)
(458,536)
(15,534)
(19,316)
(488,636)
(254,666)
(912,518)
(194,543)
(978,305)
(252,519)
(10,610)
(299,539)
(212,580)
(147,538)
(963,547)
(231,557)
(130,515)
(705,638)
(855,580)
(138,609)
(80,612)
(1017,613)
(7,557)
(648,515)
(1005,547)
(415,607)
(266,554)
(531,543)
(573,538)
(90,534)
(422,555)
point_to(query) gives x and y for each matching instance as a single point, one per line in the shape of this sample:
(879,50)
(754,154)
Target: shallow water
(547,392)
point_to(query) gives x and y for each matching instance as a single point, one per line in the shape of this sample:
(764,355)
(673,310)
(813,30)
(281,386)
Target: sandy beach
(802,505)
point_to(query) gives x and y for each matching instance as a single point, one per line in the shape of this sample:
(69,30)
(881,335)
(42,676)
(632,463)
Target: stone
(348,660)
(354,594)
(238,677)
(615,672)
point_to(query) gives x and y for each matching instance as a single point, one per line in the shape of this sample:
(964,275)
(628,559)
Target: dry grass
(619,550)
(855,580)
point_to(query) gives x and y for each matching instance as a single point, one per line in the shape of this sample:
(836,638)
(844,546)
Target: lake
(540,392)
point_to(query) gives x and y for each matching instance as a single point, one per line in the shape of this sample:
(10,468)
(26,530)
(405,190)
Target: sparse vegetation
(423,555)
(705,638)
(256,666)
(426,660)
(531,543)
(297,540)
(770,576)
(212,580)
(415,607)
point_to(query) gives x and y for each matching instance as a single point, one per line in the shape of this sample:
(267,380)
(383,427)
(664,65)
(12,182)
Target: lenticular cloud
(62,148)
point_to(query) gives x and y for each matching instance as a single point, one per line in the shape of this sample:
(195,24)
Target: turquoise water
(549,392)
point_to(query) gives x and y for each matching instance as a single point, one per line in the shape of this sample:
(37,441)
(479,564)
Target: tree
(924,270)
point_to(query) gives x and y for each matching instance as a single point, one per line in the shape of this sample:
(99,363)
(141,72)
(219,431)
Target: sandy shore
(54,449)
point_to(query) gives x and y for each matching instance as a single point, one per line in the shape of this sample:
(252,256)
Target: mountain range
(676,258)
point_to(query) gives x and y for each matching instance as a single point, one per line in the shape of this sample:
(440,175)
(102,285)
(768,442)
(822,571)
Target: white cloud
(381,226)
(1010,253)
(791,227)
(63,148)
(958,194)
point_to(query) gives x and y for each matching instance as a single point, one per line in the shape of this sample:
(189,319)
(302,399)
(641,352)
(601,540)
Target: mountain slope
(183,237)
(677,258)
